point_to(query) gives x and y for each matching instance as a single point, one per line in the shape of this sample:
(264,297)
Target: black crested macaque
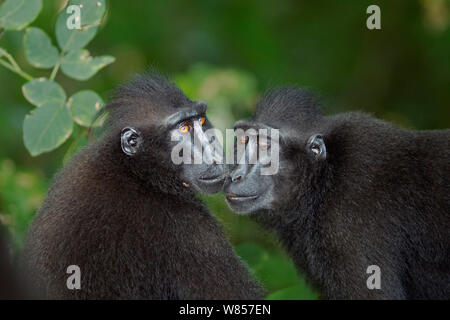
(128,217)
(351,192)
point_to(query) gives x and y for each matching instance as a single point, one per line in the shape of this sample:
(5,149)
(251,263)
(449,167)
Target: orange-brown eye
(184,128)
(263,142)
(243,140)
(202,120)
(264,145)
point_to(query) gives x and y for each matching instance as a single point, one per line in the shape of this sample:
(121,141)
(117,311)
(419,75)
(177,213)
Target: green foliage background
(227,53)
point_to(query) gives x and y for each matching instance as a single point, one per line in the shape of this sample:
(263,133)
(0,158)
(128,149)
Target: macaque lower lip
(237,197)
(213,179)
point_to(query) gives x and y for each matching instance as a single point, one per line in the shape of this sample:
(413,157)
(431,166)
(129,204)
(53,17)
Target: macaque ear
(316,147)
(130,140)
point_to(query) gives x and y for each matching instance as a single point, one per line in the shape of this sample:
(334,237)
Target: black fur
(128,222)
(10,284)
(381,197)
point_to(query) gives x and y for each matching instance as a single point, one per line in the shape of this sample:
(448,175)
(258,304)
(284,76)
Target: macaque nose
(236,178)
(238,173)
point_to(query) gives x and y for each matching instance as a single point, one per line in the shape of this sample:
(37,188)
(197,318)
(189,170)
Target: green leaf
(41,91)
(47,127)
(253,254)
(2,52)
(92,11)
(298,292)
(17,14)
(81,66)
(84,105)
(277,272)
(91,14)
(73,39)
(39,50)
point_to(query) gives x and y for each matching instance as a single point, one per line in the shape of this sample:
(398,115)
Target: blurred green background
(227,52)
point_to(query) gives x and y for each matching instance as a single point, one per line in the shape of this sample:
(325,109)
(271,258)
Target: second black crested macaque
(127,215)
(352,196)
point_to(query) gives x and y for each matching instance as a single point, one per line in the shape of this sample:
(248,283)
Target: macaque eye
(202,120)
(264,144)
(184,128)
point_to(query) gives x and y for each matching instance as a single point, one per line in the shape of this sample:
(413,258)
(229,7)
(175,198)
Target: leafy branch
(51,123)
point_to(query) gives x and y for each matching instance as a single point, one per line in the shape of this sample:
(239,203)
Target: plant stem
(12,61)
(16,69)
(56,68)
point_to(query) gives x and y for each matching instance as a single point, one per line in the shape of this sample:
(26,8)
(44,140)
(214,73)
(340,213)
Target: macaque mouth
(212,179)
(240,197)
